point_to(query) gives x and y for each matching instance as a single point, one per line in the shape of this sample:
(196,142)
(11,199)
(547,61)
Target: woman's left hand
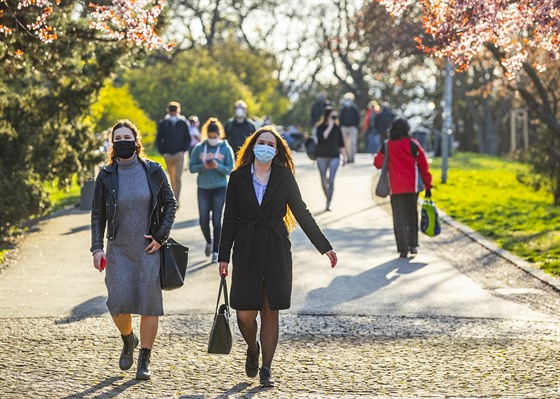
(153,246)
(332,256)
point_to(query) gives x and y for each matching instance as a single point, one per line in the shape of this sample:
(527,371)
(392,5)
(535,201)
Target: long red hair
(283,158)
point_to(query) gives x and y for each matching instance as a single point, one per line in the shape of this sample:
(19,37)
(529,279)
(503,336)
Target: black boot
(127,355)
(143,370)
(266,377)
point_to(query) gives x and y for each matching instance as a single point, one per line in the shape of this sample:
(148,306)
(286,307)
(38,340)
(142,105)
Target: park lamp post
(447,121)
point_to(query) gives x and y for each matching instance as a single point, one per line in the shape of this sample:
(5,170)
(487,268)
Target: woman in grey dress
(134,202)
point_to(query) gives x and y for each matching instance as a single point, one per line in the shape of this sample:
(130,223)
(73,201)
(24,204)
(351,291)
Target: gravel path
(318,357)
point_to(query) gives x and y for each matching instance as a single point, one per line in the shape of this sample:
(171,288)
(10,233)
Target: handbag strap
(223,287)
(386,155)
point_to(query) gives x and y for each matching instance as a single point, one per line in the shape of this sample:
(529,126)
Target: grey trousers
(350,137)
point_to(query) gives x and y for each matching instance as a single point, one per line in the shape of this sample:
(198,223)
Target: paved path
(454,321)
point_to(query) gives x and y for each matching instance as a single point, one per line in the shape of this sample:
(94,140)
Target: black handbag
(221,337)
(311,148)
(173,265)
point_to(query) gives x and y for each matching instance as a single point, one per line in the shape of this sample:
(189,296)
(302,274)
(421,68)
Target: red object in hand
(103,263)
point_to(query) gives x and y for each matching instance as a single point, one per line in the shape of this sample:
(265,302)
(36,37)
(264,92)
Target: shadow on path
(77,229)
(91,308)
(198,266)
(185,224)
(230,392)
(349,288)
(103,384)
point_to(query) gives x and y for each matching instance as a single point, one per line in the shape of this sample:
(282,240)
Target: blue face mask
(264,153)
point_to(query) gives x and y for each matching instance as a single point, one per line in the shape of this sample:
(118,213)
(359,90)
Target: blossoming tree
(458,29)
(524,35)
(133,21)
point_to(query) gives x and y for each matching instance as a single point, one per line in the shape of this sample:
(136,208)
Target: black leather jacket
(104,207)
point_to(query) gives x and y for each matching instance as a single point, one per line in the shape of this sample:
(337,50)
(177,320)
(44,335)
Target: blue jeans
(211,201)
(373,142)
(330,164)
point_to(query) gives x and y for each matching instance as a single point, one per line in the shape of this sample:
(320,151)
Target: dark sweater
(350,116)
(329,147)
(173,136)
(236,133)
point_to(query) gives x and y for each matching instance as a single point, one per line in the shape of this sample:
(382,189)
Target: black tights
(247,322)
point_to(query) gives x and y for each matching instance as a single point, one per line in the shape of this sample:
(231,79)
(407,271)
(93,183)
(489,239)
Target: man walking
(239,127)
(349,123)
(383,122)
(173,139)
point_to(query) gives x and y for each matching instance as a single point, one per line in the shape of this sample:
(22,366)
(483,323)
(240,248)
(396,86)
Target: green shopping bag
(429,221)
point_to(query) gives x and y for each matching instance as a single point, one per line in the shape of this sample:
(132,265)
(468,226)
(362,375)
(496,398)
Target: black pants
(405,220)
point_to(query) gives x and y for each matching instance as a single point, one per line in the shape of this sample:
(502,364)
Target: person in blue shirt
(212,159)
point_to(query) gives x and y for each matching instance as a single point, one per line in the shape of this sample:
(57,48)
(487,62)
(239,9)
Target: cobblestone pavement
(318,357)
(349,334)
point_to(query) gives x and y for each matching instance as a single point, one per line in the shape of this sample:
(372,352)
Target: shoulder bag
(383,189)
(173,264)
(311,148)
(221,337)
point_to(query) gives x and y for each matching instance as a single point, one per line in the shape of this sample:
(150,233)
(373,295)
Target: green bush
(25,199)
(116,103)
(208,85)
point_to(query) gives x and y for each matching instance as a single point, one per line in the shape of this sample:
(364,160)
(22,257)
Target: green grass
(484,193)
(61,198)
(155,156)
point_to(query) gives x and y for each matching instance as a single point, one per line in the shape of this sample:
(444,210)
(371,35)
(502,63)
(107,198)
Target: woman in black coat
(263,202)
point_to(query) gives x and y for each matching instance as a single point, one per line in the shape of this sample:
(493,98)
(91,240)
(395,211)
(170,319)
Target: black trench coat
(262,257)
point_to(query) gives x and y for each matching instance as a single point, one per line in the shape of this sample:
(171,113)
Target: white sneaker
(214,257)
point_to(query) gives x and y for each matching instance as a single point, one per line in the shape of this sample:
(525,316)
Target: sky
(290,32)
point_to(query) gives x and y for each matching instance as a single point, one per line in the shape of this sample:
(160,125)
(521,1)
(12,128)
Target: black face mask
(124,149)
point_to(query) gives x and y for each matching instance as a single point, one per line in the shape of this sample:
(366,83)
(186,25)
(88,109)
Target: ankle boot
(143,370)
(129,343)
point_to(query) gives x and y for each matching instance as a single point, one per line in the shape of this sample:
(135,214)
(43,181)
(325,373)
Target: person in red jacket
(408,175)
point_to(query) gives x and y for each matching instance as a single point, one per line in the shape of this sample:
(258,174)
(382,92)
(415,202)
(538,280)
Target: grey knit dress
(132,274)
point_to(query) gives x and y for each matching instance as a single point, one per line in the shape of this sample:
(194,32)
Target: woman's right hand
(223,268)
(97,260)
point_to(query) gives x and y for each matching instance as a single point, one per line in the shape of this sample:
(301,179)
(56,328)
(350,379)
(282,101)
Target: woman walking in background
(263,202)
(372,135)
(134,202)
(329,147)
(212,159)
(408,175)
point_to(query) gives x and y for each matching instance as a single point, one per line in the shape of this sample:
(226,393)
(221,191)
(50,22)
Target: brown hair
(326,115)
(283,158)
(112,155)
(213,123)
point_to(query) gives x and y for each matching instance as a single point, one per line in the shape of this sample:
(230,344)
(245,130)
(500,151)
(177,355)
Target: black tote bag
(173,265)
(221,337)
(311,148)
